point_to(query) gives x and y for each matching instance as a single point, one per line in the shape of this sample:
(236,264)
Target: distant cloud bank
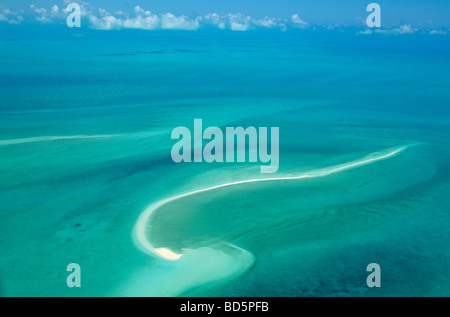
(402,29)
(101,19)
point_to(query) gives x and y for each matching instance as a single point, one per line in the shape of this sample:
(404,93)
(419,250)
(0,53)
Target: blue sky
(431,13)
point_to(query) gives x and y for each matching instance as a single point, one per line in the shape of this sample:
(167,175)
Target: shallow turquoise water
(336,97)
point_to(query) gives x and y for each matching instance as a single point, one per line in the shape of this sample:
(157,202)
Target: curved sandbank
(140,237)
(142,134)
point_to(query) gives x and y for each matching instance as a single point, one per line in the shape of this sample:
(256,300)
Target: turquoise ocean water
(85,124)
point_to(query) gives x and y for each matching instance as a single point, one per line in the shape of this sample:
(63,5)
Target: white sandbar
(140,228)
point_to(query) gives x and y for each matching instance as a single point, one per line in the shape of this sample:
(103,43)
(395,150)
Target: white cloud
(271,23)
(41,11)
(109,22)
(402,29)
(266,22)
(102,12)
(43,19)
(215,19)
(139,11)
(438,32)
(150,22)
(55,12)
(7,16)
(239,22)
(172,22)
(365,32)
(144,20)
(103,23)
(295,19)
(236,26)
(40,14)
